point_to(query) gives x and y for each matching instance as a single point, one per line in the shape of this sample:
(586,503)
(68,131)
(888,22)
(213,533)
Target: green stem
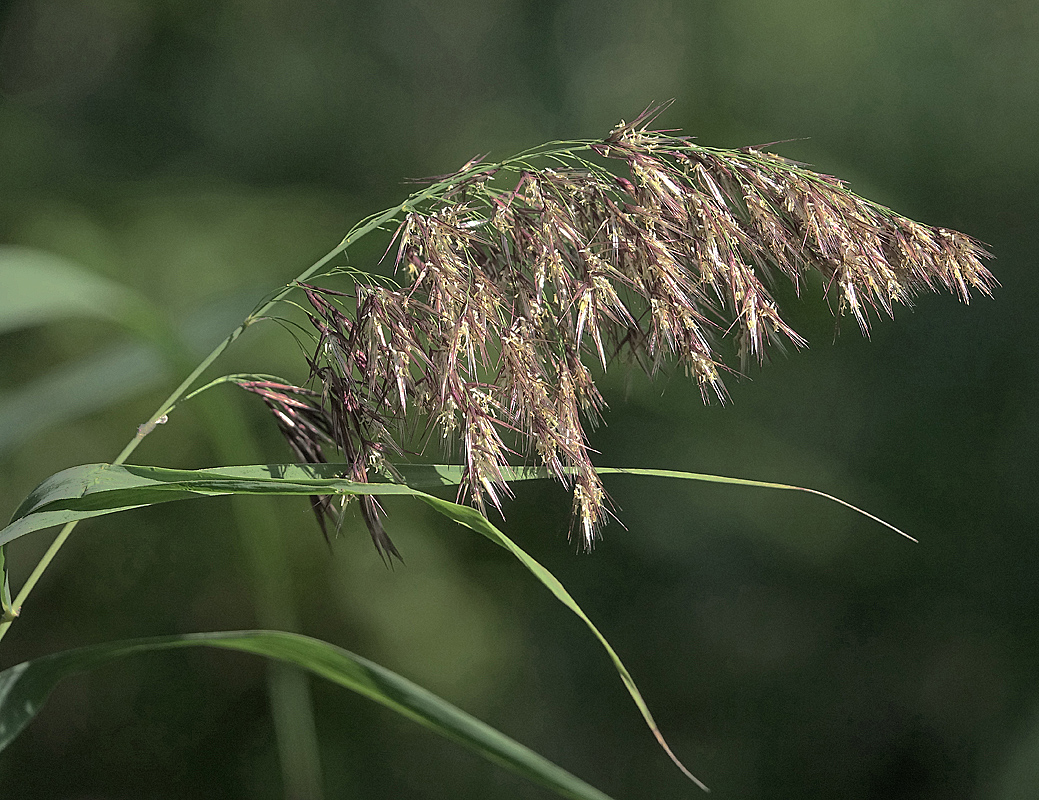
(16,606)
(361,229)
(288,689)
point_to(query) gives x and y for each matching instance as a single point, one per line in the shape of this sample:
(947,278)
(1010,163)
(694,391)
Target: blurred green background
(203,153)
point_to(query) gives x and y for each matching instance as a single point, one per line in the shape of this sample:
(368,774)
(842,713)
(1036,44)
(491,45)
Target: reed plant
(514,285)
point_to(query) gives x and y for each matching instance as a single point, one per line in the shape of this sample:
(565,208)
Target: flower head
(513,289)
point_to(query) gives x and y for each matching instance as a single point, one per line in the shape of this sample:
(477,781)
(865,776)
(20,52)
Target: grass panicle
(513,288)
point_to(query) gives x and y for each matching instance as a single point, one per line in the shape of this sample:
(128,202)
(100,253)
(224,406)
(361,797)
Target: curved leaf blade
(5,583)
(92,490)
(24,689)
(37,286)
(473,519)
(97,489)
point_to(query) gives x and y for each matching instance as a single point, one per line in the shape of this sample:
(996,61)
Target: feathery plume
(512,290)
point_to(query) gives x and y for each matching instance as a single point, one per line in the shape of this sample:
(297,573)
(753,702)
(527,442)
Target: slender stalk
(362,228)
(34,577)
(730,213)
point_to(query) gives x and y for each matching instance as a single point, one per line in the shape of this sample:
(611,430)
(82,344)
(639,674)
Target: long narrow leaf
(97,489)
(92,490)
(25,687)
(471,518)
(108,376)
(39,287)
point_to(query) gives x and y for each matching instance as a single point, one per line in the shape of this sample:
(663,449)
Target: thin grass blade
(98,489)
(92,490)
(473,519)
(24,689)
(38,287)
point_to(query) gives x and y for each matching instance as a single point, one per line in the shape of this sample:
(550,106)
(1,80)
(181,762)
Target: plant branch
(361,229)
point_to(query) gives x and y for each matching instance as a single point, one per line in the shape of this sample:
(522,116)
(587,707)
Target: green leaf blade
(37,287)
(25,687)
(97,489)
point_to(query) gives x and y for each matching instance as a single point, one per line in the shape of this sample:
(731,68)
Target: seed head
(513,289)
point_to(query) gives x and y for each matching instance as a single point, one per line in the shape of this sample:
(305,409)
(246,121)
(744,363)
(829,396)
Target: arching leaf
(24,689)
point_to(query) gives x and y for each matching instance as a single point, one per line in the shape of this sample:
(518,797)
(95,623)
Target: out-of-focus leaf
(74,390)
(108,377)
(38,287)
(25,687)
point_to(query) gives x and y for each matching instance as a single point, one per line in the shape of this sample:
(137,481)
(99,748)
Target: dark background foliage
(205,152)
